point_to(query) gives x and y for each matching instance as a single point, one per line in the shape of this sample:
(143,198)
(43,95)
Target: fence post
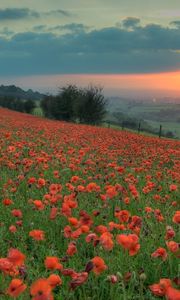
(160,131)
(139,127)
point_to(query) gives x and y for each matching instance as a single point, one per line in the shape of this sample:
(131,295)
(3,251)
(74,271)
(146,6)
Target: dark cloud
(6,31)
(22,13)
(176,23)
(131,22)
(143,49)
(72,27)
(40,28)
(17,13)
(59,12)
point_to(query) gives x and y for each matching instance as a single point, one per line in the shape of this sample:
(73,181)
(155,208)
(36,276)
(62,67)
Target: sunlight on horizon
(162,82)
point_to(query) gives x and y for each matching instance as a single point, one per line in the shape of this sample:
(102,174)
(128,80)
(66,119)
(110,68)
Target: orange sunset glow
(168,81)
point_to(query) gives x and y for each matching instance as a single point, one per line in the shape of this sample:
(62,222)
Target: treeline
(74,104)
(17,104)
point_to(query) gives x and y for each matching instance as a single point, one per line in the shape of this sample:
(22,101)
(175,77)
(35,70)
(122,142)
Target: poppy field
(87,213)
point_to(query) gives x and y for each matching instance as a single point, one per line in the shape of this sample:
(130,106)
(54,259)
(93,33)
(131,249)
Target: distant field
(38,112)
(166,114)
(168,126)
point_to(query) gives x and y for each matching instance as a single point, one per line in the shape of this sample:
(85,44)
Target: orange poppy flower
(173,246)
(41,290)
(7,202)
(176,217)
(173,187)
(106,241)
(53,213)
(170,233)
(37,234)
(17,213)
(16,288)
(73,221)
(52,263)
(172,293)
(12,228)
(164,288)
(16,257)
(78,280)
(123,216)
(54,280)
(38,204)
(71,249)
(7,267)
(129,242)
(160,252)
(98,265)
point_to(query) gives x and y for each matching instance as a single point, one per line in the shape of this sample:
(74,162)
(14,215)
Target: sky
(126,46)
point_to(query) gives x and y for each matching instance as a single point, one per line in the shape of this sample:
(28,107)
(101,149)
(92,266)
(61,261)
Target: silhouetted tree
(76,104)
(29,105)
(65,103)
(92,108)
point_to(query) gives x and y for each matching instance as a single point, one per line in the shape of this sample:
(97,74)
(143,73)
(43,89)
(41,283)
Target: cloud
(176,23)
(6,31)
(59,12)
(72,27)
(131,22)
(40,28)
(17,13)
(143,49)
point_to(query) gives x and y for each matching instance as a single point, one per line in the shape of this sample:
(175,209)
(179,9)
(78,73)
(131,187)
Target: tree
(65,103)
(29,105)
(47,105)
(92,105)
(76,104)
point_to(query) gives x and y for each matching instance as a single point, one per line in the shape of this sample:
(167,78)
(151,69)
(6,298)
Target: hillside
(86,212)
(17,92)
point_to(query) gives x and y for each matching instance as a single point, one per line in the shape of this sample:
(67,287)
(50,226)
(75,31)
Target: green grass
(38,112)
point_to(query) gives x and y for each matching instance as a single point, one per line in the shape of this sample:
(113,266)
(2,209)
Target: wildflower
(7,267)
(78,280)
(172,246)
(176,217)
(170,233)
(38,204)
(12,228)
(173,187)
(16,257)
(41,290)
(99,265)
(7,202)
(113,279)
(17,213)
(71,249)
(16,287)
(129,242)
(54,280)
(52,263)
(106,241)
(73,221)
(53,213)
(160,252)
(164,288)
(123,216)
(37,235)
